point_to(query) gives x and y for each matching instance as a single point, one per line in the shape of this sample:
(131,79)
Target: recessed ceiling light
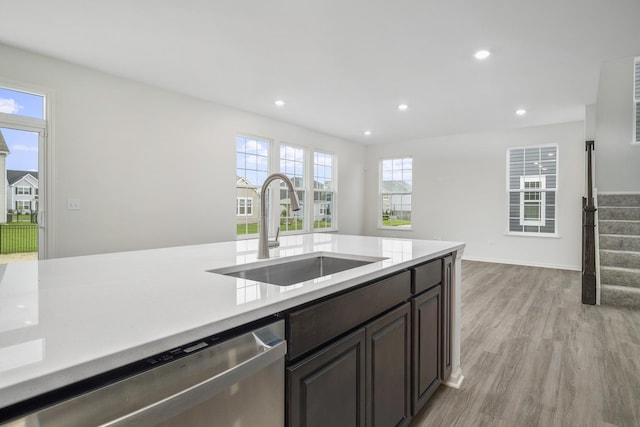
(279,103)
(367,132)
(482,54)
(403,107)
(521,112)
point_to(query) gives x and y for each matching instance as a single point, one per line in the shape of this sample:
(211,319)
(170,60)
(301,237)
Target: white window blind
(531,185)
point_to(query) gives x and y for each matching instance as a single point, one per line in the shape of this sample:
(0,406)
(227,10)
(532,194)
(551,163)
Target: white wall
(460,193)
(126,150)
(617,161)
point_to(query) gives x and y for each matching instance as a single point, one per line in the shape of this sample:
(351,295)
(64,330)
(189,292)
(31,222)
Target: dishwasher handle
(198,393)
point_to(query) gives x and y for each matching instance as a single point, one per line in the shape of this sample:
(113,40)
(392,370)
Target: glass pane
(21,103)
(322,209)
(247,210)
(396,210)
(18,218)
(291,220)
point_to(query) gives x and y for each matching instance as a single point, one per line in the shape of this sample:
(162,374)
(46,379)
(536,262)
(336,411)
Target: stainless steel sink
(289,270)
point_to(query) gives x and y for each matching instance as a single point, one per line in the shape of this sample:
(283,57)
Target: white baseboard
(525,263)
(455,380)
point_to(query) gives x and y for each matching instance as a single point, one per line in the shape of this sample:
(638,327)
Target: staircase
(619,232)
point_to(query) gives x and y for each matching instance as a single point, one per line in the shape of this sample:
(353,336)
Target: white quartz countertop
(66,319)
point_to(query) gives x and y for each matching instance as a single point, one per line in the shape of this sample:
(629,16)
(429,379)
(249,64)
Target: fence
(18,238)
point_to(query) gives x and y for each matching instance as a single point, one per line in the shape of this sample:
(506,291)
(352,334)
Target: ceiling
(343,66)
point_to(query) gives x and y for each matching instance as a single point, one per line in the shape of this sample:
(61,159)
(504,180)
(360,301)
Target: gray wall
(617,160)
(127,149)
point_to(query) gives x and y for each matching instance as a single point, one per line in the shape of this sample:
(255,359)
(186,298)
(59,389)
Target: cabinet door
(447,303)
(328,387)
(388,369)
(426,363)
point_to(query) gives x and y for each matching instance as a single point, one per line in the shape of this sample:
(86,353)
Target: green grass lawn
(242,229)
(18,237)
(396,222)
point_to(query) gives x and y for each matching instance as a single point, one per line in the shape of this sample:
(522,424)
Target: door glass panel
(19,195)
(21,103)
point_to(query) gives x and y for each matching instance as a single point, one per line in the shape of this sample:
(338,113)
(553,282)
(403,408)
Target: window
(292,165)
(23,205)
(396,185)
(532,186)
(636,101)
(323,191)
(244,206)
(23,190)
(252,169)
(312,174)
(21,103)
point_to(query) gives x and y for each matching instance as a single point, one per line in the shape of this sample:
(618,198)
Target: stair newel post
(589,235)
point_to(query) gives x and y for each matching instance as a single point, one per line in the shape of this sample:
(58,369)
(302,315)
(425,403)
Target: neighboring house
(247,202)
(397,195)
(4,152)
(22,191)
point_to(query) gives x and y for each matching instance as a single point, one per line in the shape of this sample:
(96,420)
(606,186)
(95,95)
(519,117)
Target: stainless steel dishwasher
(234,382)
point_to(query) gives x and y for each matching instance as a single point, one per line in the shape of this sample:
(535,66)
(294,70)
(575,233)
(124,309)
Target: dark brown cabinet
(447,304)
(328,387)
(371,356)
(388,369)
(426,361)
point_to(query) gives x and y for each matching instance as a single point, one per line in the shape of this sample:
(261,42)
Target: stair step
(619,227)
(620,296)
(620,276)
(624,259)
(619,199)
(619,242)
(618,212)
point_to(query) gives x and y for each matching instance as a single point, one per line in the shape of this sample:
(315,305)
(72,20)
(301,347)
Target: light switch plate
(73,204)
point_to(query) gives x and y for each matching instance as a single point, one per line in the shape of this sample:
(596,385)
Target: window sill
(396,228)
(543,235)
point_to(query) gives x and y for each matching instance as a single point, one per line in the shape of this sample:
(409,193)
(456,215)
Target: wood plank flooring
(533,355)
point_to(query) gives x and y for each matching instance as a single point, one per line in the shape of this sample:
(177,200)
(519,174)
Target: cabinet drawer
(426,276)
(312,326)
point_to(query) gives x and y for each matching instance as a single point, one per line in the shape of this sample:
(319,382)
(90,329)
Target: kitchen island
(67,319)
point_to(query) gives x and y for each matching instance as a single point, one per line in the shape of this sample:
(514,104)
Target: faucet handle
(274,243)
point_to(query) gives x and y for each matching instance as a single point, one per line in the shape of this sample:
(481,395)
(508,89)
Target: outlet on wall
(73,204)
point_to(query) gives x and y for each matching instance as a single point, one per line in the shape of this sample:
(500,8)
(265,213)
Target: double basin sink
(296,269)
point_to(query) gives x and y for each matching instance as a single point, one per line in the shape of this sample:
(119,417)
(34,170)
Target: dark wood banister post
(589,236)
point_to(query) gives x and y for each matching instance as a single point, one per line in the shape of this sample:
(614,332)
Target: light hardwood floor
(533,355)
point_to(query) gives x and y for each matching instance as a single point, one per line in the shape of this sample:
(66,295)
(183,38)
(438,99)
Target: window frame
(635,130)
(544,190)
(382,194)
(275,199)
(542,200)
(248,187)
(45,129)
(333,191)
(248,206)
(20,190)
(308,188)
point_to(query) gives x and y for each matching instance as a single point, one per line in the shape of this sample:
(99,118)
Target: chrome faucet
(263,242)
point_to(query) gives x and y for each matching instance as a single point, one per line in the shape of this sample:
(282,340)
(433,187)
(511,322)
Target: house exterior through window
(531,186)
(244,206)
(396,187)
